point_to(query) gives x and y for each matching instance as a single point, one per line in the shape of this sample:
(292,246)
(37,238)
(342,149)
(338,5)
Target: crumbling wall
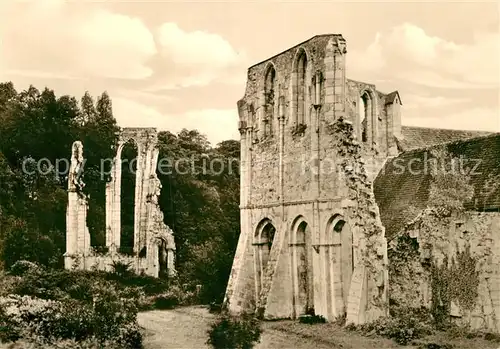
(310,171)
(150,232)
(451,266)
(447,258)
(297,156)
(368,293)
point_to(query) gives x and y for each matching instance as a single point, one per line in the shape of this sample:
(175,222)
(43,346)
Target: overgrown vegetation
(312,319)
(419,256)
(199,201)
(235,332)
(45,305)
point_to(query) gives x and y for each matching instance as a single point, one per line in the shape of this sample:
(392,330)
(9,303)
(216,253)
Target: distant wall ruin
(153,240)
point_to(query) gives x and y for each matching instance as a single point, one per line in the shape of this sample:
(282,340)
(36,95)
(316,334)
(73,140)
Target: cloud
(407,52)
(198,57)
(216,124)
(414,101)
(197,48)
(56,38)
(482,119)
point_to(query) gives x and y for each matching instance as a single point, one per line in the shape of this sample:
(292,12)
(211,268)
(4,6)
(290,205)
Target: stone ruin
(325,207)
(154,246)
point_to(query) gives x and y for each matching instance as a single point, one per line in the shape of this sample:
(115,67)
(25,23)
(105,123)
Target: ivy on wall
(457,281)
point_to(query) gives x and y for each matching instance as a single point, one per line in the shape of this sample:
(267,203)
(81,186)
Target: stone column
(77,233)
(243,127)
(139,182)
(369,121)
(261,112)
(340,79)
(294,111)
(281,123)
(116,212)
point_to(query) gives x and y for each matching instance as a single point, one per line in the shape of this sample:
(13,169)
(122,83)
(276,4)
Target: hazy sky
(183,64)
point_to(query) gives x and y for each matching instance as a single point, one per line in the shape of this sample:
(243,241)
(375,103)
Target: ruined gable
(306,175)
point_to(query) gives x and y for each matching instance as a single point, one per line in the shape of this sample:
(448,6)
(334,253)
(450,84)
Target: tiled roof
(397,188)
(419,137)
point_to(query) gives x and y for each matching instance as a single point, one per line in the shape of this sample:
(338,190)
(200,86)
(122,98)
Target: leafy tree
(199,201)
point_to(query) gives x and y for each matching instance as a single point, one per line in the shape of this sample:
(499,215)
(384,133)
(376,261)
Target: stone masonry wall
(312,172)
(465,249)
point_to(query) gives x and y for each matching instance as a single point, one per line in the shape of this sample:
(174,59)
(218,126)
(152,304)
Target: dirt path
(183,328)
(186,328)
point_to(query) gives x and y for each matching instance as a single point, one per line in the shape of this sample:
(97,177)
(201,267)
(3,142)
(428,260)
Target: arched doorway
(341,257)
(264,236)
(302,271)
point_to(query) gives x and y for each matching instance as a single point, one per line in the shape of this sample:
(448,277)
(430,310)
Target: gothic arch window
(367,117)
(264,236)
(341,267)
(270,96)
(363,116)
(300,87)
(302,267)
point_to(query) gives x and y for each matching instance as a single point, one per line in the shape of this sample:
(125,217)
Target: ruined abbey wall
(154,245)
(454,264)
(311,238)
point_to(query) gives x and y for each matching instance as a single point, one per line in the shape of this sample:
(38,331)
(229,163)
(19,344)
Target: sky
(175,65)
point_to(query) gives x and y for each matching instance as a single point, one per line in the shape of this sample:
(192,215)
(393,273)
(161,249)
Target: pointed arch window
(270,92)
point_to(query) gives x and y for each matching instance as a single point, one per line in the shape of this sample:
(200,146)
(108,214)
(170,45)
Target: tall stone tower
(311,143)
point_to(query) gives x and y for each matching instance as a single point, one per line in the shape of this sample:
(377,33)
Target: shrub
(234,332)
(166,302)
(403,327)
(312,319)
(8,331)
(108,318)
(20,268)
(122,269)
(215,308)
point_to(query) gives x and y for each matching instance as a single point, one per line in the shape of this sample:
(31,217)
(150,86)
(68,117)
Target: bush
(8,331)
(234,332)
(166,302)
(108,319)
(403,327)
(215,308)
(121,269)
(312,319)
(21,268)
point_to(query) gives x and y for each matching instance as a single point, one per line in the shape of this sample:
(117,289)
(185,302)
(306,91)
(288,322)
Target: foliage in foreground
(403,328)
(410,326)
(43,307)
(234,332)
(200,202)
